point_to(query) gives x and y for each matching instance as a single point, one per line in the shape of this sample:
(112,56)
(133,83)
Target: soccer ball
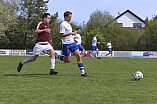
(138,75)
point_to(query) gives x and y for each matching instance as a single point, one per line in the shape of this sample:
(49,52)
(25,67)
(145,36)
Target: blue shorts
(94,48)
(80,47)
(66,48)
(110,49)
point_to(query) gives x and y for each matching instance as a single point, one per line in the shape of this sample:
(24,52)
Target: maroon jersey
(44,36)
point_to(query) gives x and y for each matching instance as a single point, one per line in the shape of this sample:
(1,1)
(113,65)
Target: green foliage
(150,36)
(105,26)
(97,20)
(111,81)
(18,30)
(21,31)
(122,38)
(55,31)
(89,37)
(19,19)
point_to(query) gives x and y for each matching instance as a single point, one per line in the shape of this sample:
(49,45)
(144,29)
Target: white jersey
(65,27)
(93,41)
(78,38)
(109,45)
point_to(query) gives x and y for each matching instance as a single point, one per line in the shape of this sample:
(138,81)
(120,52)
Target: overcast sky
(82,9)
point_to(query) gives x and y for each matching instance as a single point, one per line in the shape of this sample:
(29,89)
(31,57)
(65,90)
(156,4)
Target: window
(121,24)
(137,25)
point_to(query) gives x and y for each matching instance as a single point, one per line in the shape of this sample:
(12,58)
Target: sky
(82,9)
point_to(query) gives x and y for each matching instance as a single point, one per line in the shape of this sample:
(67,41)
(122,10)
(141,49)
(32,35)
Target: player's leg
(108,52)
(97,53)
(81,48)
(64,58)
(89,52)
(79,61)
(84,52)
(111,52)
(32,59)
(52,61)
(78,56)
(66,52)
(36,51)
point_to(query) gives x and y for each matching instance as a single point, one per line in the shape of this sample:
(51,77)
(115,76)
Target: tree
(55,28)
(97,21)
(150,35)
(102,23)
(31,12)
(8,15)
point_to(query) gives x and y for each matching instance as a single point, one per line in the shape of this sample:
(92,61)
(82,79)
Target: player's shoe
(85,54)
(52,71)
(55,55)
(84,75)
(98,57)
(19,67)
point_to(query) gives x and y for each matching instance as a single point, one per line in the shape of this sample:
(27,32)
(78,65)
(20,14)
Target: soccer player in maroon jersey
(43,43)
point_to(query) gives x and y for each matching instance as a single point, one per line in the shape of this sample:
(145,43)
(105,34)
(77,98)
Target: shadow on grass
(29,75)
(37,75)
(134,80)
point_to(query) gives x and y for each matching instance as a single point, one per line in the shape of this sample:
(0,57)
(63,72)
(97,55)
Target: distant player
(109,45)
(94,46)
(68,43)
(77,39)
(43,43)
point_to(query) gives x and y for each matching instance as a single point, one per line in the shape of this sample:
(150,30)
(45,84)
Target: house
(128,19)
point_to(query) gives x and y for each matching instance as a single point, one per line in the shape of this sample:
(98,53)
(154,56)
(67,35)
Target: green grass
(111,81)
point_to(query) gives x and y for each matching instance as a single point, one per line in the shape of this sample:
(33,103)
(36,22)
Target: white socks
(52,61)
(25,61)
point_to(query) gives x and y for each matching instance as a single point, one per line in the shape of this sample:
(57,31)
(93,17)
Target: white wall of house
(128,19)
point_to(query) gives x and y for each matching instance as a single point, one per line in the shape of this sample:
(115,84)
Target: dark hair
(95,34)
(67,13)
(78,28)
(45,15)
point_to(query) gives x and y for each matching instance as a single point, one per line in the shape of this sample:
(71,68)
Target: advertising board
(4,52)
(17,52)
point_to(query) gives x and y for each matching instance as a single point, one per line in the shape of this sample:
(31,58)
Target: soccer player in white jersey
(68,43)
(77,39)
(109,45)
(94,45)
(43,43)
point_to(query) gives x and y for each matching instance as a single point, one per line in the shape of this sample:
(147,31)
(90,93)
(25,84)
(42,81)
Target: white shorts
(38,48)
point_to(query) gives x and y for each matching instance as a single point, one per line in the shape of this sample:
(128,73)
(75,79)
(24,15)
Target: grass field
(111,81)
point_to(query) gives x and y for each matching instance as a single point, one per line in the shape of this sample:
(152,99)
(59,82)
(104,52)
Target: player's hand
(82,37)
(98,42)
(47,30)
(74,33)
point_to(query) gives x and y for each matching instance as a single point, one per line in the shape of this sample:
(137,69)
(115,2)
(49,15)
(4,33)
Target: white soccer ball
(138,75)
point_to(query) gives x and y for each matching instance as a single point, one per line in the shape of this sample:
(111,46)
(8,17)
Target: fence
(150,54)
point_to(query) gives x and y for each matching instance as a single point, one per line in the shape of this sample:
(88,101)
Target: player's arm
(108,45)
(38,31)
(75,40)
(97,42)
(67,34)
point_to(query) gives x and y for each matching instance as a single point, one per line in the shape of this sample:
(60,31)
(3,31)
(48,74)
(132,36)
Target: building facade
(130,20)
